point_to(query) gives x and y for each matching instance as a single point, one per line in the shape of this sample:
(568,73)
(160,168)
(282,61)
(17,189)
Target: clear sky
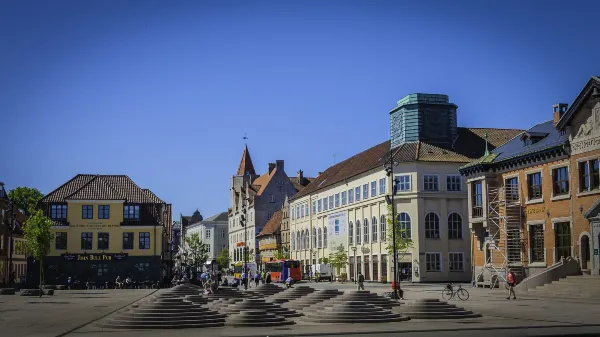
(163,91)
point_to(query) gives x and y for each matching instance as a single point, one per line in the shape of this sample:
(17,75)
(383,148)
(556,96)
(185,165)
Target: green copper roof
(423,98)
(486,159)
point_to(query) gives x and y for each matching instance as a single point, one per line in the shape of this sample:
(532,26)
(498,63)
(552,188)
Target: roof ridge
(469,128)
(82,186)
(63,185)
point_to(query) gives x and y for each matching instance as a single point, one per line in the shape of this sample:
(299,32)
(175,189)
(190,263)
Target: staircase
(581,286)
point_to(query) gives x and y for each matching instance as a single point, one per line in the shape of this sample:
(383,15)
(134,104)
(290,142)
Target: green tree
(38,238)
(403,240)
(25,199)
(223,259)
(338,258)
(197,251)
(249,255)
(280,255)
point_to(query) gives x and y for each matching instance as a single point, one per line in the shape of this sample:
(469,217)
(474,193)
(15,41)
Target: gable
(584,130)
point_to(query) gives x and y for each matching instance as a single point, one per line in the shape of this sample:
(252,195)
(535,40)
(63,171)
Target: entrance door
(585,252)
(405,271)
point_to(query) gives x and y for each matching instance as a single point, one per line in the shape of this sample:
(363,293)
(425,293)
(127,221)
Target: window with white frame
(453,183)
(324,237)
(374,229)
(207,234)
(432,226)
(306,209)
(365,191)
(454,226)
(382,227)
(350,233)
(297,211)
(382,186)
(314,204)
(357,193)
(403,183)
(456,262)
(433,262)
(431,183)
(337,200)
(404,225)
(344,198)
(314,237)
(292,211)
(325,206)
(302,211)
(222,233)
(358,232)
(331,202)
(366,230)
(319,205)
(373,189)
(320,242)
(350,196)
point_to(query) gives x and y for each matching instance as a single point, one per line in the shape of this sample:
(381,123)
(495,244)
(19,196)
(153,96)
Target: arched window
(374,229)
(350,233)
(366,230)
(454,226)
(320,239)
(358,232)
(404,225)
(432,226)
(382,227)
(324,237)
(307,239)
(293,242)
(314,237)
(298,246)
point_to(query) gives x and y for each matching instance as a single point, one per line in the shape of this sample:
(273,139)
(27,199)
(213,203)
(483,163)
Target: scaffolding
(503,237)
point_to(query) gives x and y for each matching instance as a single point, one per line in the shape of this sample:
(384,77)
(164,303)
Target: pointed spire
(246,166)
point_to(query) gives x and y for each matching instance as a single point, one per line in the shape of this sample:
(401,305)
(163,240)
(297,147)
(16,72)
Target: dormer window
(58,212)
(131,212)
(530,138)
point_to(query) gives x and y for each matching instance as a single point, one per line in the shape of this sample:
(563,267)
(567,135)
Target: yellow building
(105,226)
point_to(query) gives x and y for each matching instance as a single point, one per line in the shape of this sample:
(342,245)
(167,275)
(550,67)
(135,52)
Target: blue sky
(164,91)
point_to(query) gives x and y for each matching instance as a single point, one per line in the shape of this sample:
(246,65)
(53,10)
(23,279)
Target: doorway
(585,252)
(405,271)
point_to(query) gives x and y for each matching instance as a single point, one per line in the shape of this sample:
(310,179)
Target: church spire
(246,166)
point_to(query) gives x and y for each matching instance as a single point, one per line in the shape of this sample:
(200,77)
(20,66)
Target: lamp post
(354,267)
(11,226)
(389,170)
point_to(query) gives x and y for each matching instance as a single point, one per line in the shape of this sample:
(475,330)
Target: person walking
(361,281)
(511,280)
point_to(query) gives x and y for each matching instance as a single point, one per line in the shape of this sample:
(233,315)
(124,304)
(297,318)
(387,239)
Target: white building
(346,204)
(213,231)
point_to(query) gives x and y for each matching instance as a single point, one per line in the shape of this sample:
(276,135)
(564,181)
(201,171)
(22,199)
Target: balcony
(477,212)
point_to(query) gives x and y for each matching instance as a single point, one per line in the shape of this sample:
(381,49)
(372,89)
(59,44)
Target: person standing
(361,281)
(511,280)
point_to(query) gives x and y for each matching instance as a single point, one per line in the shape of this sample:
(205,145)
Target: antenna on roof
(487,152)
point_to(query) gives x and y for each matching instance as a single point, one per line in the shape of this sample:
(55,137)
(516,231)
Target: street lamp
(11,229)
(354,267)
(389,171)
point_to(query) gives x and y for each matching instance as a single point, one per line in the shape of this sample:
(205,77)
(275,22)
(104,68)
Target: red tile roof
(273,225)
(246,165)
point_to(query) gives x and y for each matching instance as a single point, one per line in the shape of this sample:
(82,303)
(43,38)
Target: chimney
(558,111)
(300,177)
(279,165)
(271,167)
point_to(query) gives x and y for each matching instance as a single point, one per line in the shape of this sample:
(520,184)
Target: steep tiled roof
(260,183)
(152,196)
(298,186)
(273,225)
(593,82)
(218,217)
(101,187)
(246,165)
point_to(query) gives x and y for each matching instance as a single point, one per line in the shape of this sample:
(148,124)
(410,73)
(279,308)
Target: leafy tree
(197,251)
(403,240)
(248,255)
(280,255)
(38,238)
(324,260)
(223,259)
(338,258)
(25,199)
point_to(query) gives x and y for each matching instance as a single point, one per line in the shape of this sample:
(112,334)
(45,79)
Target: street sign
(596,251)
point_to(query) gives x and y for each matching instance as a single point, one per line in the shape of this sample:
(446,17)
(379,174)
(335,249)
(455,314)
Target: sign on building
(336,228)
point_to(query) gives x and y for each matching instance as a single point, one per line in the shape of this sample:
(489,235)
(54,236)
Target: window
(102,241)
(534,185)
(404,226)
(87,212)
(306,209)
(366,231)
(563,240)
(589,175)
(350,233)
(536,242)
(297,212)
(430,183)
(325,204)
(374,229)
(269,214)
(382,228)
(382,186)
(433,262)
(358,232)
(455,262)
(331,202)
(403,183)
(365,191)
(207,233)
(320,241)
(432,226)
(58,212)
(292,242)
(350,196)
(86,241)
(104,212)
(314,237)
(357,193)
(373,189)
(453,183)
(302,211)
(477,195)
(560,180)
(103,269)
(314,208)
(208,248)
(512,189)
(272,198)
(222,233)
(325,238)
(337,200)
(144,240)
(131,212)
(343,198)
(61,241)
(454,226)
(319,205)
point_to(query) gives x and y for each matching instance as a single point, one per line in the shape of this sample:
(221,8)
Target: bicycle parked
(449,292)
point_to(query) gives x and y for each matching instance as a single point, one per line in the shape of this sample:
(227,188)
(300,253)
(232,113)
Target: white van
(324,271)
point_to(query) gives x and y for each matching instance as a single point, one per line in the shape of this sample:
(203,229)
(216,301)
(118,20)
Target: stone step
(354,312)
(257,318)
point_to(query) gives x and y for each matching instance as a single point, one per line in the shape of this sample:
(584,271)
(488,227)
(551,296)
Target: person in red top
(511,280)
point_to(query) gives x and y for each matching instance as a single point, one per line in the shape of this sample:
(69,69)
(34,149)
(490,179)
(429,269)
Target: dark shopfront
(98,268)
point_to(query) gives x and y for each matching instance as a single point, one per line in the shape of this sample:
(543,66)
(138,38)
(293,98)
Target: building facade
(213,231)
(534,200)
(269,238)
(11,218)
(346,205)
(105,226)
